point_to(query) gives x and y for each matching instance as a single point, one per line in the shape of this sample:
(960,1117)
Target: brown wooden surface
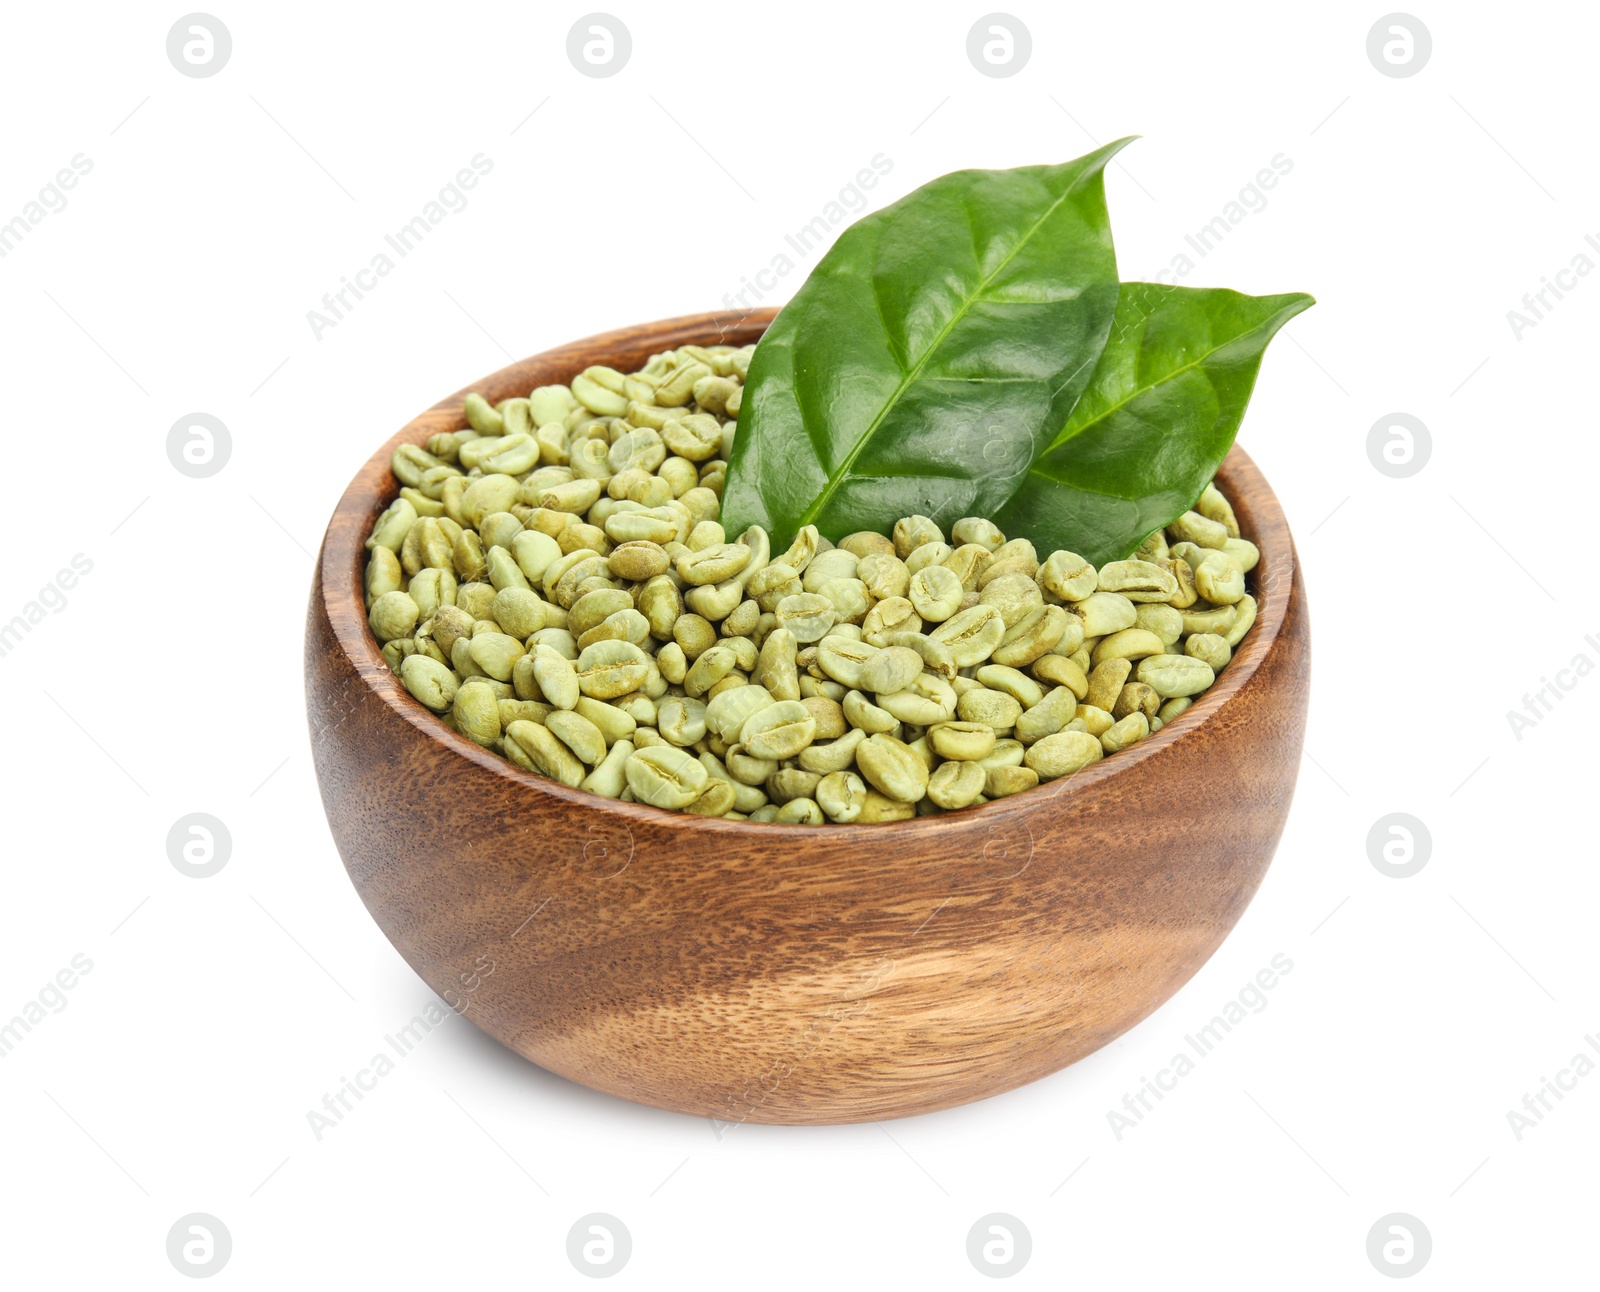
(798,974)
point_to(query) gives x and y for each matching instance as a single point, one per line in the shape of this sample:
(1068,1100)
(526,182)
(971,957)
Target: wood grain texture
(798,974)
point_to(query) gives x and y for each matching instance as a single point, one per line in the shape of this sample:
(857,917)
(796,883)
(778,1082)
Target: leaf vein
(837,476)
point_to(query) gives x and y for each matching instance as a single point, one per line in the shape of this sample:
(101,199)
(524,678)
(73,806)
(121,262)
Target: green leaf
(1155,423)
(930,356)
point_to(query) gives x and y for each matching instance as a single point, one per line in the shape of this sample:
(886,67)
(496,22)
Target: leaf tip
(1297,303)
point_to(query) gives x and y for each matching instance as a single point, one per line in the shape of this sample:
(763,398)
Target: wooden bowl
(796,974)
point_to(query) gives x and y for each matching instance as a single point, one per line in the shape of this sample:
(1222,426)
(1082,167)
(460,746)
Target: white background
(1419,1011)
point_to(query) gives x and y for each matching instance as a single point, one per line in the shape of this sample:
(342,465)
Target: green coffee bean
(778,731)
(1243,621)
(522,710)
(1162,620)
(1002,782)
(1126,732)
(829,715)
(977,530)
(890,616)
(1175,675)
(791,783)
(1015,595)
(513,455)
(681,720)
(912,532)
(862,713)
(496,654)
(927,700)
(410,461)
(1243,553)
(1050,715)
(482,416)
(748,768)
(1218,620)
(391,528)
(709,668)
(841,795)
(542,752)
(1096,721)
(1213,506)
(1032,637)
(807,615)
(811,687)
(891,767)
(968,562)
(557,639)
(741,622)
(800,812)
(520,611)
(578,734)
(1062,754)
(639,706)
(665,776)
(1018,685)
(429,681)
(994,709)
(623,625)
(883,574)
(775,667)
(956,785)
(608,669)
(1068,576)
(929,555)
(593,608)
(557,679)
(432,590)
(1106,682)
(1136,696)
(971,635)
(1016,553)
(964,740)
(678,388)
(612,722)
(1105,612)
(588,390)
(1192,554)
(888,670)
(393,615)
(609,778)
(486,495)
(747,798)
(1192,527)
(844,660)
(450,622)
(835,755)
(1220,580)
(1058,670)
(1130,643)
(1211,648)
(503,571)
(1139,581)
(383,574)
(936,593)
(826,566)
(1174,708)
(849,599)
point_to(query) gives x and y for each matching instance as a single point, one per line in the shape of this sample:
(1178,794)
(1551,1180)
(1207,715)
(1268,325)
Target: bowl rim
(340,587)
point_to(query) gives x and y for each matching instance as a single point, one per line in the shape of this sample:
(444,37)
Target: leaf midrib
(838,476)
(1145,390)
